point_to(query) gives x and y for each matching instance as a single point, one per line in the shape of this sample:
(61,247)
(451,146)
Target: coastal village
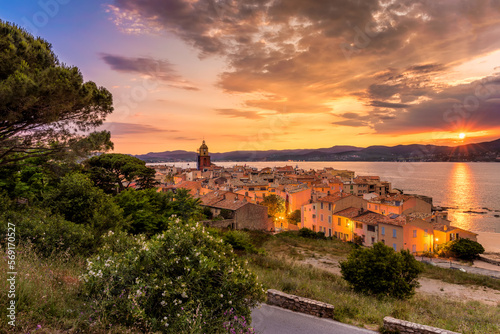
(339,203)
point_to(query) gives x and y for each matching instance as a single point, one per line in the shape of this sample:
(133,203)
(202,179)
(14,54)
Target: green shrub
(382,271)
(49,234)
(179,281)
(463,248)
(307,233)
(148,210)
(239,240)
(79,201)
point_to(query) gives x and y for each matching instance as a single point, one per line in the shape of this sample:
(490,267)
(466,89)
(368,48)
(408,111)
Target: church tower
(203,157)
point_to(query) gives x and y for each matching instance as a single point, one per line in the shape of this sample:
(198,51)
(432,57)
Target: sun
(461,136)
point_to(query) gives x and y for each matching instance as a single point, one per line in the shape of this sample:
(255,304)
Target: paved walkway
(470,269)
(268,319)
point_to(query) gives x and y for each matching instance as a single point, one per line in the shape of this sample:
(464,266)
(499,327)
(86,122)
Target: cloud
(160,69)
(352,122)
(306,56)
(250,114)
(465,107)
(382,104)
(122,129)
(185,138)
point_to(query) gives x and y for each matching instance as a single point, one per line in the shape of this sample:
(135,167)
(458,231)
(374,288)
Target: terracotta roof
(229,204)
(334,198)
(371,218)
(441,227)
(190,185)
(397,197)
(349,212)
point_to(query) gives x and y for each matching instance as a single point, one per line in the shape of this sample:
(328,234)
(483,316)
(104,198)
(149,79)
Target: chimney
(445,227)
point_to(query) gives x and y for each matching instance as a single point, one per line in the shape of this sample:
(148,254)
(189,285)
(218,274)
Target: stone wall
(299,304)
(226,223)
(485,259)
(253,217)
(406,327)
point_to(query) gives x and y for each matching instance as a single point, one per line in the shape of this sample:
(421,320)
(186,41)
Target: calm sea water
(461,186)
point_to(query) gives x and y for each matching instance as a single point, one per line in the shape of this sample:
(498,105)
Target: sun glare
(461,136)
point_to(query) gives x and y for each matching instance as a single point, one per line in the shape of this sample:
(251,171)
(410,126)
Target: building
(399,204)
(237,211)
(320,213)
(203,157)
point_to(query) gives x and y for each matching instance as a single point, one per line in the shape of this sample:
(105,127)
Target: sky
(281,74)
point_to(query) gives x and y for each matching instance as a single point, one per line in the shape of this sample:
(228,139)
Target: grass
(48,297)
(281,273)
(279,268)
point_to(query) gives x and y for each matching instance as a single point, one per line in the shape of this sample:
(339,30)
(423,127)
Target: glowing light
(461,136)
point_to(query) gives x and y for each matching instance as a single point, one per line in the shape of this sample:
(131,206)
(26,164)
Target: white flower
(184,295)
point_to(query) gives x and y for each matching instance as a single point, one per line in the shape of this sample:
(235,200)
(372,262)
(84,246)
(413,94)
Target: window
(314,216)
(329,232)
(321,217)
(340,221)
(314,228)
(425,233)
(395,247)
(373,240)
(330,206)
(414,233)
(382,230)
(370,228)
(335,234)
(321,205)
(414,248)
(376,207)
(359,225)
(314,207)
(329,219)
(394,233)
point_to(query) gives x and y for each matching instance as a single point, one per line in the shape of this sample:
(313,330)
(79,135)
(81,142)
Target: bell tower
(203,157)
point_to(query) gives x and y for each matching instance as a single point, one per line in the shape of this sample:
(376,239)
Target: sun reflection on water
(461,195)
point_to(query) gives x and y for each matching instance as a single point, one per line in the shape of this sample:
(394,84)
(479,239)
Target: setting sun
(461,136)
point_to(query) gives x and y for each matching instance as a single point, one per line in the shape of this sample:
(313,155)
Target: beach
(490,241)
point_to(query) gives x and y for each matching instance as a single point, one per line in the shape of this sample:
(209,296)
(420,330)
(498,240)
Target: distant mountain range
(487,151)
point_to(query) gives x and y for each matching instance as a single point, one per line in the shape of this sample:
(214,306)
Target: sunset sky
(270,74)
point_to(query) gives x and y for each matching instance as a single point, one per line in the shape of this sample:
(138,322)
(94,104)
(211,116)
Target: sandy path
(427,285)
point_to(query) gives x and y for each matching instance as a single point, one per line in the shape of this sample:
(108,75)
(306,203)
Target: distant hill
(487,151)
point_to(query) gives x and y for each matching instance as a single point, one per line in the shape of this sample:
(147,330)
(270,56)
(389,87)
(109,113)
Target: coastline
(490,241)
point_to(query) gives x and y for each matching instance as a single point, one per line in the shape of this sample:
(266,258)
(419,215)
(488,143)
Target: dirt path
(428,286)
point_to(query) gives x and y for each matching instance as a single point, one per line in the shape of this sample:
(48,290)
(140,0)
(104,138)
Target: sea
(470,191)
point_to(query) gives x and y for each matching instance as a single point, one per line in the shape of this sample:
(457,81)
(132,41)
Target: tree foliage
(45,106)
(115,172)
(149,211)
(382,271)
(294,217)
(463,248)
(79,201)
(275,205)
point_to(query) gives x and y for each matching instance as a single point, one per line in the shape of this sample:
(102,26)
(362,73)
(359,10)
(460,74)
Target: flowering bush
(183,280)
